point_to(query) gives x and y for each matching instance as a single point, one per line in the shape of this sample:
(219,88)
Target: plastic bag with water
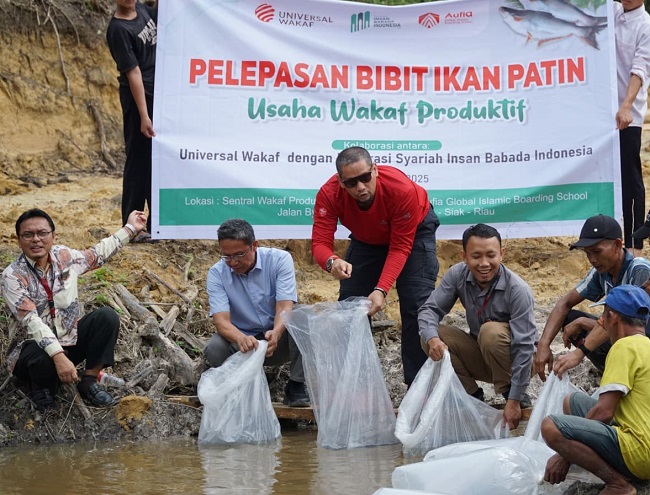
(344,376)
(511,466)
(436,411)
(236,401)
(550,401)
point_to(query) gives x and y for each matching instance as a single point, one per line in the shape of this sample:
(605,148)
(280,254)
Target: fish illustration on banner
(546,21)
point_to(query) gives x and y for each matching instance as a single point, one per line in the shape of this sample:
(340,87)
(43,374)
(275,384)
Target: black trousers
(414,284)
(136,182)
(633,190)
(96,338)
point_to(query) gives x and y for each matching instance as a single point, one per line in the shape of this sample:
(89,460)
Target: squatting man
(248,289)
(608,436)
(49,334)
(499,308)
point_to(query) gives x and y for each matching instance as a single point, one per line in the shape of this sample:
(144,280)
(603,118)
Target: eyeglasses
(41,234)
(353,181)
(236,257)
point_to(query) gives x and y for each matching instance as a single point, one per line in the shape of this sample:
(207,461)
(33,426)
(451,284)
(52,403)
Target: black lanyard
(488,296)
(48,291)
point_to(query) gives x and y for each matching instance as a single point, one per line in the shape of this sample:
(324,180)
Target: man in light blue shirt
(248,289)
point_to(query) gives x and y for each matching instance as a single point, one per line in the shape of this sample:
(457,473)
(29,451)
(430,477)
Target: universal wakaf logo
(265,12)
(429,20)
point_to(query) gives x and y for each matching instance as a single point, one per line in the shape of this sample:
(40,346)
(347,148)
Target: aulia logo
(429,20)
(265,12)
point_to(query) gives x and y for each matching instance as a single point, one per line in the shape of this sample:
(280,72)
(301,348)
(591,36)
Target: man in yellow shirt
(610,436)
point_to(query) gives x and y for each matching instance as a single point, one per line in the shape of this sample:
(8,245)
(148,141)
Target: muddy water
(178,466)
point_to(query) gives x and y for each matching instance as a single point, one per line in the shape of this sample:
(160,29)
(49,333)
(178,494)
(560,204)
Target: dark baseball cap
(628,300)
(644,231)
(598,229)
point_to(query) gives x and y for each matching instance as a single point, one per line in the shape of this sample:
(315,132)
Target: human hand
(65,369)
(377,301)
(341,269)
(247,343)
(623,118)
(543,357)
(573,330)
(557,468)
(437,348)
(272,337)
(567,362)
(146,127)
(512,414)
(138,219)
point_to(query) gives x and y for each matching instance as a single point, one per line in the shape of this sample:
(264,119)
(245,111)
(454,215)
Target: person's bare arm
(136,85)
(273,336)
(544,356)
(624,114)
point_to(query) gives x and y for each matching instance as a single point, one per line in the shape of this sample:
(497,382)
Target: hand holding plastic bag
(236,401)
(437,411)
(346,384)
(550,401)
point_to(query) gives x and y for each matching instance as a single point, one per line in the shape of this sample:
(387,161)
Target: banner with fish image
(503,110)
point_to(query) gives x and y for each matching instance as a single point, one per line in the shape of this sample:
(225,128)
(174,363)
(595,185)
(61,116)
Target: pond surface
(295,465)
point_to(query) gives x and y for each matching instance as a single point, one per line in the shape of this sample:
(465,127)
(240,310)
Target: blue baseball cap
(628,300)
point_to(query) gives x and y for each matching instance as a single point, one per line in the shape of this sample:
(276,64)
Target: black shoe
(42,398)
(479,395)
(296,394)
(96,395)
(524,403)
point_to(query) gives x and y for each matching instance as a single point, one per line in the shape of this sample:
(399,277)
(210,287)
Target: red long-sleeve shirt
(398,208)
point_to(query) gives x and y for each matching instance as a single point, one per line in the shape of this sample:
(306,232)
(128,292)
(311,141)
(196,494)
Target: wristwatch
(584,349)
(330,263)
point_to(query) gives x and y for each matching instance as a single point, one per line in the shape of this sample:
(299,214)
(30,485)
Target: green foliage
(105,275)
(101,274)
(101,299)
(589,4)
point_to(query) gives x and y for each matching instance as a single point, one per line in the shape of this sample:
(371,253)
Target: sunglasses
(353,181)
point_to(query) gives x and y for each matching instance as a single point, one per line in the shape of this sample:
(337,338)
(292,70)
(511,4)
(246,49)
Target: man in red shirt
(393,239)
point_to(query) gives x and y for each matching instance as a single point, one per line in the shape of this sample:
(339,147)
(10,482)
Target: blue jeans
(414,284)
(601,438)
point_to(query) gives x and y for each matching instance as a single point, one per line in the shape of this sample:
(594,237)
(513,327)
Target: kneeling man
(499,309)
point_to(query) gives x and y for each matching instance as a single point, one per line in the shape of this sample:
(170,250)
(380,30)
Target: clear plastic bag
(508,466)
(549,401)
(437,411)
(236,401)
(493,467)
(346,384)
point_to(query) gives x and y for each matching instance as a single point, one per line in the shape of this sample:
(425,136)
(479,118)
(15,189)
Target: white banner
(502,111)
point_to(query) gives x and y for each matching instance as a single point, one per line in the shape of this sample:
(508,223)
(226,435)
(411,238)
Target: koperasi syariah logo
(429,20)
(365,20)
(359,21)
(265,12)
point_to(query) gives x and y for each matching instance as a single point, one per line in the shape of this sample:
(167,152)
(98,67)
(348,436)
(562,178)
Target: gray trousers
(218,349)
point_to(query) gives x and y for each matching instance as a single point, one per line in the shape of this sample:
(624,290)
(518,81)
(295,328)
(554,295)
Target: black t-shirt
(133,44)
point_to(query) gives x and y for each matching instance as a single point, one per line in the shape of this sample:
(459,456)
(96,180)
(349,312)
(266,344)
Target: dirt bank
(61,150)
